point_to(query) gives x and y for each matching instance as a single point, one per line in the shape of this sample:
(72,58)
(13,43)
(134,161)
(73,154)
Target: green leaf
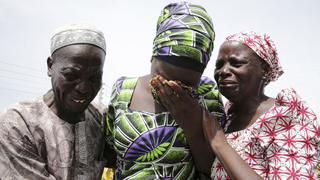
(158,151)
(161,148)
(164,145)
(140,158)
(144,158)
(155,153)
(152,155)
(149,156)
(204,88)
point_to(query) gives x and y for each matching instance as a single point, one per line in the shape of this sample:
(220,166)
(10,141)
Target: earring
(264,77)
(265,80)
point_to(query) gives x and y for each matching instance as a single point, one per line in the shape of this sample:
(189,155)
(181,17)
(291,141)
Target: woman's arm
(188,114)
(234,165)
(109,153)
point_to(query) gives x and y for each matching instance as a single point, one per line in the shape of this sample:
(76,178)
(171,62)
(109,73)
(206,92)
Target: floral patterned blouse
(150,145)
(282,144)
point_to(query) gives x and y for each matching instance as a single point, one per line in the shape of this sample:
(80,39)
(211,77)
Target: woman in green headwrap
(151,140)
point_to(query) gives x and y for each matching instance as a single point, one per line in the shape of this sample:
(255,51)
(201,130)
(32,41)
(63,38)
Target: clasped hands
(185,109)
(175,97)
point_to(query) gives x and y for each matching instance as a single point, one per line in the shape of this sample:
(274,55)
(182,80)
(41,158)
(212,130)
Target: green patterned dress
(152,145)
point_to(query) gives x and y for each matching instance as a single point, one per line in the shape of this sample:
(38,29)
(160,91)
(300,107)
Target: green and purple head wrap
(185,30)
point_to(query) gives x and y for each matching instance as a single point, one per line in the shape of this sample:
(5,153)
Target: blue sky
(129,27)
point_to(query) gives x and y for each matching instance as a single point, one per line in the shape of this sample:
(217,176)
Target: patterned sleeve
(110,117)
(294,142)
(19,157)
(112,108)
(212,99)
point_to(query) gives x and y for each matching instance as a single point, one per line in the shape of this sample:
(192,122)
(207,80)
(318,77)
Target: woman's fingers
(179,103)
(172,95)
(206,126)
(164,83)
(165,93)
(178,91)
(210,125)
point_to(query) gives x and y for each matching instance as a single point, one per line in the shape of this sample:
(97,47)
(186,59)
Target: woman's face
(238,71)
(172,72)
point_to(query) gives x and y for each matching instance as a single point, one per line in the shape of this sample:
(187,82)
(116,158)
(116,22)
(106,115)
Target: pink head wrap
(264,47)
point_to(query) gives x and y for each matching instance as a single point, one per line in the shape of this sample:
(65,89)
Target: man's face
(76,76)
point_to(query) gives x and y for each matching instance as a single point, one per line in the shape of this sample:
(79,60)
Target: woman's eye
(237,64)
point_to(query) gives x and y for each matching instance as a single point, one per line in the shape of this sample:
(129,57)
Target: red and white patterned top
(282,144)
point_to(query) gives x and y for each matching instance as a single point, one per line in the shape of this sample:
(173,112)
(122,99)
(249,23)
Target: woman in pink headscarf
(265,137)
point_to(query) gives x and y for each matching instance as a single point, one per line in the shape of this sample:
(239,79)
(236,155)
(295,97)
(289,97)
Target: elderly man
(59,135)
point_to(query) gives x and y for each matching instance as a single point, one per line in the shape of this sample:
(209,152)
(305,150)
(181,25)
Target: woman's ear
(49,66)
(265,67)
